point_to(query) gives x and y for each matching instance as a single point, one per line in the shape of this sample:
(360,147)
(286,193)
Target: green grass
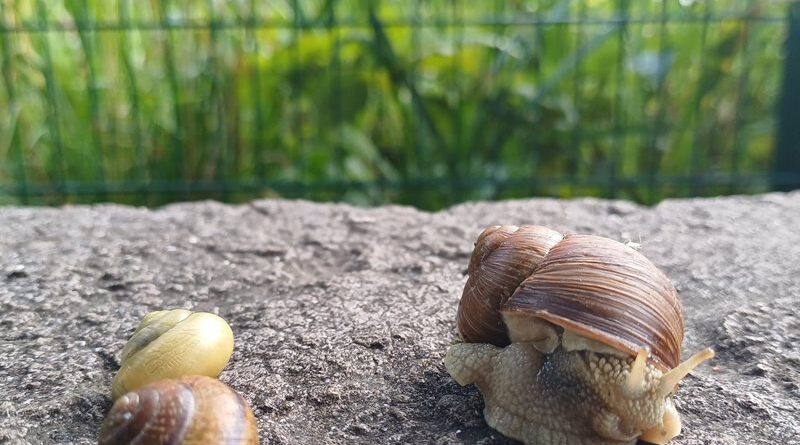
(419,102)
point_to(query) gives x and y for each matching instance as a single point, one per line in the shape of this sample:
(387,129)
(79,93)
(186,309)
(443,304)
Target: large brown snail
(191,410)
(571,339)
(171,344)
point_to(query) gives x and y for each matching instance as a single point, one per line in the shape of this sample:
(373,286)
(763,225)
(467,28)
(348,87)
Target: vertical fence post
(786,170)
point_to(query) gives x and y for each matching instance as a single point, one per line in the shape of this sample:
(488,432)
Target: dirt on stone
(342,315)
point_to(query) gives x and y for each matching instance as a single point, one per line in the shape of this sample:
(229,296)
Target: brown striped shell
(189,410)
(593,286)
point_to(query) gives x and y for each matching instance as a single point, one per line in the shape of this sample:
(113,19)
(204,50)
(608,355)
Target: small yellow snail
(571,339)
(171,344)
(190,410)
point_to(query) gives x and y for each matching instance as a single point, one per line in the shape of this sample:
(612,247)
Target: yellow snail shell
(190,410)
(172,344)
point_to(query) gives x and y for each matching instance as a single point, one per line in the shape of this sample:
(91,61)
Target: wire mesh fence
(419,102)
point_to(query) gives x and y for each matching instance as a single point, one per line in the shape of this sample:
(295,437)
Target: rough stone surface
(342,315)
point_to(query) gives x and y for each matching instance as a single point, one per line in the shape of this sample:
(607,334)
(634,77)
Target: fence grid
(427,103)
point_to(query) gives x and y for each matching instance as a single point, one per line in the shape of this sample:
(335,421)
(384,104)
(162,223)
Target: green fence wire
(418,102)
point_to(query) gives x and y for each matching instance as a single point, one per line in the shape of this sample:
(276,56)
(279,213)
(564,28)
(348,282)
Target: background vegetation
(420,102)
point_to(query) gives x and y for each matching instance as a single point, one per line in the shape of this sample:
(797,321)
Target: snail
(570,339)
(190,410)
(171,344)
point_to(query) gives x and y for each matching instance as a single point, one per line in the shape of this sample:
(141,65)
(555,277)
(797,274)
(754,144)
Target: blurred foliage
(420,102)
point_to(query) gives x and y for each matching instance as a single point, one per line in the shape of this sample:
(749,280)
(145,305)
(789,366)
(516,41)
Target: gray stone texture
(342,315)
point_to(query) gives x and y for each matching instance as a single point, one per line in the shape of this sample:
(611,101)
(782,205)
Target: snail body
(172,344)
(190,410)
(571,339)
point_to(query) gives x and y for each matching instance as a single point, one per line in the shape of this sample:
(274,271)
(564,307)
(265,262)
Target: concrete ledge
(342,315)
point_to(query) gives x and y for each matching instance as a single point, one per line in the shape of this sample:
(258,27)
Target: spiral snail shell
(172,344)
(190,410)
(571,339)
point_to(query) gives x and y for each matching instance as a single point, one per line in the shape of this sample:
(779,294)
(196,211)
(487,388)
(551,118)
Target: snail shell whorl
(503,257)
(172,344)
(593,286)
(193,409)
